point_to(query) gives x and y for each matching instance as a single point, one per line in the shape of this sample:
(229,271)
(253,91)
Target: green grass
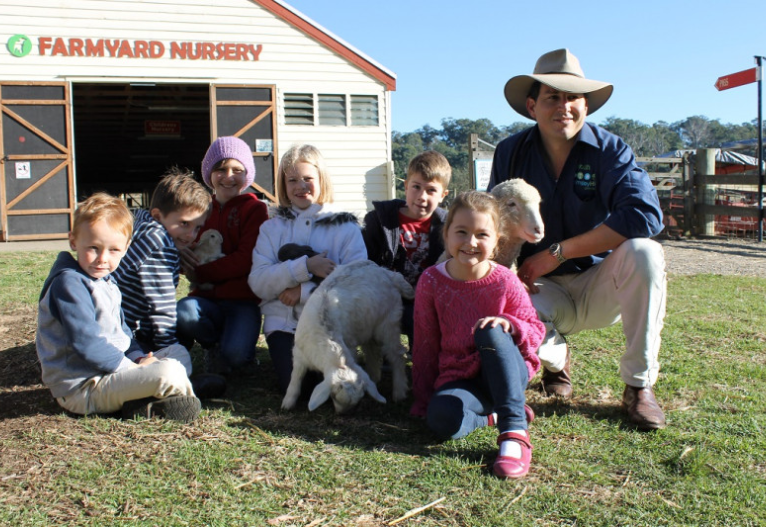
(245,462)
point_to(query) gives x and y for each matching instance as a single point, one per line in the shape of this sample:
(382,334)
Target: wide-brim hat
(560,70)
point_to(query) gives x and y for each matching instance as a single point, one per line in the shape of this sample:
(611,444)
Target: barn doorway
(126,135)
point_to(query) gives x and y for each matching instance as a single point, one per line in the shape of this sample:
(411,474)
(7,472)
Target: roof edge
(297,19)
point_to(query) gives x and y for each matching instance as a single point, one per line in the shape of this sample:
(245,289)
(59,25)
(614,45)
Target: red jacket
(239,221)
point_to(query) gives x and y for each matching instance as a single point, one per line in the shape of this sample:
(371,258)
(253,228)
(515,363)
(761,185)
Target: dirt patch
(715,256)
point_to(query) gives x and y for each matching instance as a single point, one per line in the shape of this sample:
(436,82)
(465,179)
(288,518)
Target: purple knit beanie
(228,148)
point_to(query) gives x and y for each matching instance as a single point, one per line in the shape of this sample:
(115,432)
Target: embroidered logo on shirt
(585,182)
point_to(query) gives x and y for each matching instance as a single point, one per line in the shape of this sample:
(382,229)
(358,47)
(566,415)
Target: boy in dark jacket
(406,236)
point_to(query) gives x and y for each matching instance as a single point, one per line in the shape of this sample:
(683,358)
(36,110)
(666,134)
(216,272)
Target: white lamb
(520,206)
(208,249)
(359,304)
(520,209)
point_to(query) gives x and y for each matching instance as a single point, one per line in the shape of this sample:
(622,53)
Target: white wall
(294,62)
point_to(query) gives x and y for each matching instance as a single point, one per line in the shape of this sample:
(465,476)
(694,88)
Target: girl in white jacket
(304,217)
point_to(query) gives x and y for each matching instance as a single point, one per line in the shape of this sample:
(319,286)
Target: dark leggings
(460,407)
(281,351)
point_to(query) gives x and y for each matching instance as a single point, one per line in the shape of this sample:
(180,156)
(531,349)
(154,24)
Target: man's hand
(597,241)
(534,267)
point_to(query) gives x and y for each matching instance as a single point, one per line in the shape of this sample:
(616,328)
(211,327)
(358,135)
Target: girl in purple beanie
(222,313)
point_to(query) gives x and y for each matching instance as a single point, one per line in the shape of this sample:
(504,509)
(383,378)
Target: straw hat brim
(517,88)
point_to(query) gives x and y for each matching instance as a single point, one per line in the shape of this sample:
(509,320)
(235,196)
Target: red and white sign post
(740,79)
(736,79)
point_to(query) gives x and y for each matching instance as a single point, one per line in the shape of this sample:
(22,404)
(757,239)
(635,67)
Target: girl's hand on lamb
(290,296)
(320,265)
(493,322)
(146,359)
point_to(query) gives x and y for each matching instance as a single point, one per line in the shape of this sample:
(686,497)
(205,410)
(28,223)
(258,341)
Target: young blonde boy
(82,339)
(406,235)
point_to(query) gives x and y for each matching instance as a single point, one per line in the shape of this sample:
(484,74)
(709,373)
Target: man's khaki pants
(630,284)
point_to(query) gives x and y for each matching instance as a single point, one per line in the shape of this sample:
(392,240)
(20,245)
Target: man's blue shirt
(600,183)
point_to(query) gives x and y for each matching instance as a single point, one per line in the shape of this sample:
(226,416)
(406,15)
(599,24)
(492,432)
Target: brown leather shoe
(643,409)
(557,382)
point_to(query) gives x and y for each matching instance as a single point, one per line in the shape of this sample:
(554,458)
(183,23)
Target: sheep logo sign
(19,45)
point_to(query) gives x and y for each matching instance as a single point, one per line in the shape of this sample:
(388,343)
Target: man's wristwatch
(555,251)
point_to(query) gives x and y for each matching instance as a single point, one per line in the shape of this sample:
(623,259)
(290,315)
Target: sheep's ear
(372,390)
(320,394)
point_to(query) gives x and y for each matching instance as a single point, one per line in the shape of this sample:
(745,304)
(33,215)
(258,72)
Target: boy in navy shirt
(82,340)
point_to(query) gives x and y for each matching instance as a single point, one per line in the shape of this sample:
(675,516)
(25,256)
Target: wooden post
(473,147)
(688,193)
(705,166)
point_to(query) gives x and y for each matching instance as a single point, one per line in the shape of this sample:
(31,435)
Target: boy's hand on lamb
(290,296)
(493,322)
(189,263)
(188,257)
(320,265)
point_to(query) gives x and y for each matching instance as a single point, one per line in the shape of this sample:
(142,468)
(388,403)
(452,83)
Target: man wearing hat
(597,264)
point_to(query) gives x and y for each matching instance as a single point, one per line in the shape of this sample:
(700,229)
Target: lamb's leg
(294,388)
(394,353)
(373,361)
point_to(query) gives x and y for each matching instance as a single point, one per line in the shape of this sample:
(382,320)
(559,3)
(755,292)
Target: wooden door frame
(6,208)
(270,112)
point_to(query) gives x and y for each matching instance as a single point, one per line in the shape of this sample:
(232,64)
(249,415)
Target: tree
(457,132)
(664,139)
(643,139)
(428,135)
(516,127)
(695,131)
(403,148)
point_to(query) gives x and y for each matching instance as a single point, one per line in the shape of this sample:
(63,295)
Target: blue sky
(453,58)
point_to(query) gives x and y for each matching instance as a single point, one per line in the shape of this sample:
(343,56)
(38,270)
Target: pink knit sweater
(445,313)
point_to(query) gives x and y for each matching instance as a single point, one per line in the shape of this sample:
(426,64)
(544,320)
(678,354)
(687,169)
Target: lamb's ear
(369,386)
(372,390)
(320,394)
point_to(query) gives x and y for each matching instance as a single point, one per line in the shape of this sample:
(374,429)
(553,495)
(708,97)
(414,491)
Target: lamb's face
(211,236)
(520,204)
(347,390)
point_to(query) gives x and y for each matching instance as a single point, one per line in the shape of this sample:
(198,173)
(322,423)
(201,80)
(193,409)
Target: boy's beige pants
(105,394)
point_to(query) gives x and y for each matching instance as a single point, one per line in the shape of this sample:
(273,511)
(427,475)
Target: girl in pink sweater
(476,338)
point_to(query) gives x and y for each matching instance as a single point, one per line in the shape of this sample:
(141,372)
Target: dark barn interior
(127,135)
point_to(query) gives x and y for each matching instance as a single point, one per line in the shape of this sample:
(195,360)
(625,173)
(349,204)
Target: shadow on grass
(22,402)
(19,367)
(253,397)
(609,411)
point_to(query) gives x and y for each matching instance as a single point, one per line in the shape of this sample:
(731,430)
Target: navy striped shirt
(148,277)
